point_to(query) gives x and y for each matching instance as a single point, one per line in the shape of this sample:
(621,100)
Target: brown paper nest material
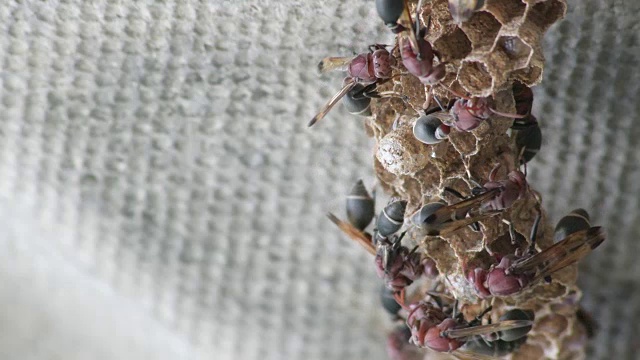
(498,45)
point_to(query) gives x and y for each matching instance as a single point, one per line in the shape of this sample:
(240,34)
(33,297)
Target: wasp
(396,264)
(516,272)
(397,17)
(440,219)
(443,330)
(365,69)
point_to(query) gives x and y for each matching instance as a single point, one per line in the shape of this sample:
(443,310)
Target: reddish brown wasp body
(398,346)
(439,219)
(434,340)
(498,281)
(398,266)
(363,68)
(422,67)
(422,317)
(417,53)
(367,68)
(441,330)
(469,113)
(403,267)
(510,190)
(397,17)
(466,114)
(514,273)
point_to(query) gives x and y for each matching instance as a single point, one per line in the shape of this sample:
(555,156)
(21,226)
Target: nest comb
(497,45)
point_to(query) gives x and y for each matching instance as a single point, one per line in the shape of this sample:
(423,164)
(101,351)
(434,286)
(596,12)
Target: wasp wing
(487,329)
(334,100)
(406,21)
(334,63)
(450,227)
(355,234)
(560,255)
(460,209)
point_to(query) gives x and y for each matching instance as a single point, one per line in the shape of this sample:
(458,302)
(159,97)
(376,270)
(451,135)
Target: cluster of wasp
(435,308)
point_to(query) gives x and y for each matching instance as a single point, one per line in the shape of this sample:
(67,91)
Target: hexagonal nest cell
(545,13)
(474,77)
(515,49)
(482,29)
(453,46)
(506,11)
(504,36)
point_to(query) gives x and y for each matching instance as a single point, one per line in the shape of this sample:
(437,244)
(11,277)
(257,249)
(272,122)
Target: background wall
(162,198)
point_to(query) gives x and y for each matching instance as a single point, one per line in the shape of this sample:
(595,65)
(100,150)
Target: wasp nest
(477,241)
(499,45)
